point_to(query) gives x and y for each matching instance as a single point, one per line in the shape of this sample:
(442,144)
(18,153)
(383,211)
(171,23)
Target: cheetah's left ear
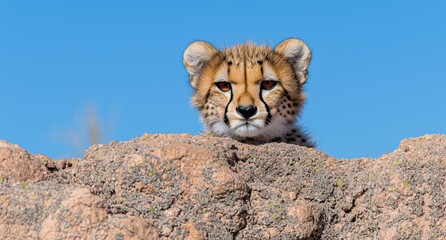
(298,54)
(195,56)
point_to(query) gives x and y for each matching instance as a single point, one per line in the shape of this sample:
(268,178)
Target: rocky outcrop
(18,165)
(184,187)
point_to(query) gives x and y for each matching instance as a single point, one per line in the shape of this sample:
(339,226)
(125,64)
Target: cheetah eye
(223,86)
(268,84)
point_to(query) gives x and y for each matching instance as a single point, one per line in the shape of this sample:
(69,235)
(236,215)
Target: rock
(184,187)
(17,165)
(80,216)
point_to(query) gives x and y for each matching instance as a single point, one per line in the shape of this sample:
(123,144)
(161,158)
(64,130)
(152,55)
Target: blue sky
(376,77)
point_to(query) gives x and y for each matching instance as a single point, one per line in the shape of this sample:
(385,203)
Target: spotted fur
(245,67)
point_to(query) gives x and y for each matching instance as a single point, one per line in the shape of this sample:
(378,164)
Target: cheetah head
(248,91)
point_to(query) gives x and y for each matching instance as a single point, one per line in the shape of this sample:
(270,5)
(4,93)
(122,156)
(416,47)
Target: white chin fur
(256,128)
(246,130)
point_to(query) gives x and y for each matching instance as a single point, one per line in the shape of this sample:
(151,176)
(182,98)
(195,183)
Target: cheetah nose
(246,111)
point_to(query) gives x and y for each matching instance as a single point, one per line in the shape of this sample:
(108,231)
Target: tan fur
(245,67)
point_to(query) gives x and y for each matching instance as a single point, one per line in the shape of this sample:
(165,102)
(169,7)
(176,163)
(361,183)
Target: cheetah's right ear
(195,55)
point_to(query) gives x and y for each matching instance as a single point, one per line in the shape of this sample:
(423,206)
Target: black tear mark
(226,120)
(268,118)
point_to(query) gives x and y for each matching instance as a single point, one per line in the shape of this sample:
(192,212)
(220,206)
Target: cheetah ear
(195,55)
(298,54)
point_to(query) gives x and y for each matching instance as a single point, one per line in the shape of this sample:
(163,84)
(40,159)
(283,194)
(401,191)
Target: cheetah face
(248,91)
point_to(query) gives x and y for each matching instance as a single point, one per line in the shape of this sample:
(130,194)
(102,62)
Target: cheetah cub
(248,92)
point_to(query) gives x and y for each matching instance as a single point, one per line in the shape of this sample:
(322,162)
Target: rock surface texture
(184,187)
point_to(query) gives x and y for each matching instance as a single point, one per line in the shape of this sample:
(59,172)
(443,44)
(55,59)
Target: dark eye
(223,86)
(268,84)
